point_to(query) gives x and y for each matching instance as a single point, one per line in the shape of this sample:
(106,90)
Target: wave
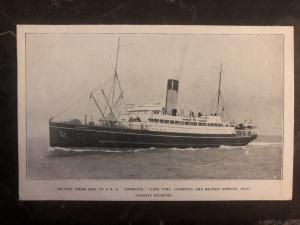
(246,151)
(225,147)
(188,149)
(83,150)
(93,150)
(264,143)
(249,146)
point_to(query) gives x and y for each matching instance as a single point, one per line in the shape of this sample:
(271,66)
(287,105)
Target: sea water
(260,159)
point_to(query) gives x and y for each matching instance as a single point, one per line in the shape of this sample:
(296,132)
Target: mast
(116,65)
(219,90)
(115,74)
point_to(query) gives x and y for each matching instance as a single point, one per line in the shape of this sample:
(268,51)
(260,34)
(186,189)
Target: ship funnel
(171,98)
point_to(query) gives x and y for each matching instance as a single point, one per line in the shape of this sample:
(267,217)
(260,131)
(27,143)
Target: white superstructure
(154,118)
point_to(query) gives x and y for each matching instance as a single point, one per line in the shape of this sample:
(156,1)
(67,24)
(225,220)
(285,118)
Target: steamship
(159,125)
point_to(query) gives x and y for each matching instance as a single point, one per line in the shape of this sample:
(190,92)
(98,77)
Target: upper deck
(153,117)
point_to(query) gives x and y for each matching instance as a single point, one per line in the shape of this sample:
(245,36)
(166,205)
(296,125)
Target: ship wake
(66,151)
(188,149)
(230,147)
(265,144)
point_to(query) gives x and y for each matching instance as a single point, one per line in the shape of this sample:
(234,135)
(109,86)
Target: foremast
(112,101)
(107,99)
(219,90)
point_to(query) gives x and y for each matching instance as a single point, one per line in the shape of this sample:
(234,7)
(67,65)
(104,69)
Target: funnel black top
(173,84)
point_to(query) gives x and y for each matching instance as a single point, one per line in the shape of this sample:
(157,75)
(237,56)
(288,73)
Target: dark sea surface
(260,159)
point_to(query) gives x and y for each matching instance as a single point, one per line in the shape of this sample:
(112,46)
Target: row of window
(243,133)
(190,123)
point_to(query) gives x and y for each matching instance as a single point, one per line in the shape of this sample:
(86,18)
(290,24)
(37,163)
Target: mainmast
(219,90)
(114,98)
(116,66)
(115,73)
(112,116)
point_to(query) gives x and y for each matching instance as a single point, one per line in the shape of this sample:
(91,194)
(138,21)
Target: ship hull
(70,135)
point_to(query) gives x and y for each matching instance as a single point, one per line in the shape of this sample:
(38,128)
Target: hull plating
(69,135)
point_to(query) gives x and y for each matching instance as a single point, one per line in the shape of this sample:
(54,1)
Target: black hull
(70,135)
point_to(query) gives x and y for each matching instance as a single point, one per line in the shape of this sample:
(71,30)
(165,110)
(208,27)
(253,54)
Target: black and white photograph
(155,112)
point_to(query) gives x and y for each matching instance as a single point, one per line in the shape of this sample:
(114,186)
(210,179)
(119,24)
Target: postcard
(155,113)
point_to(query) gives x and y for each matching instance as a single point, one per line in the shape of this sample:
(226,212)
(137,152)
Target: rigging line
(107,102)
(227,115)
(122,105)
(101,85)
(114,82)
(98,106)
(207,105)
(117,100)
(116,68)
(67,108)
(113,91)
(211,105)
(81,98)
(110,91)
(117,111)
(119,84)
(226,111)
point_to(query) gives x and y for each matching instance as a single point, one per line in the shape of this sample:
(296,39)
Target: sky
(61,68)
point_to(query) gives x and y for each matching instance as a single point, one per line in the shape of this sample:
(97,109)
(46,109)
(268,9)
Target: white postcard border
(138,189)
